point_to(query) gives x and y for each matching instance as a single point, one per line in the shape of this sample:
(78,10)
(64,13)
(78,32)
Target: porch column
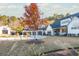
(36,32)
(32,32)
(52,32)
(42,32)
(60,31)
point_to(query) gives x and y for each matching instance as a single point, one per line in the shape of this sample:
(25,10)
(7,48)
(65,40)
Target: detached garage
(4,30)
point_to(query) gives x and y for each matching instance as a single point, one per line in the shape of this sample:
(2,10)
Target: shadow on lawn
(63,52)
(35,41)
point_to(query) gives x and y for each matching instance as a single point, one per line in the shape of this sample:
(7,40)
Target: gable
(74,23)
(73,27)
(49,28)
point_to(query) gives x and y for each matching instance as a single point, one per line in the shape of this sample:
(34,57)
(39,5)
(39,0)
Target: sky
(46,9)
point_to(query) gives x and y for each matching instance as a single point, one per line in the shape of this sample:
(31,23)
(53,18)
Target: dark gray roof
(56,24)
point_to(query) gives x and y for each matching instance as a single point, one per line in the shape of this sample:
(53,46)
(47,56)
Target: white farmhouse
(68,25)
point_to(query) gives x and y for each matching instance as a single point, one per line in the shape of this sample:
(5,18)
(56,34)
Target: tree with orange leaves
(32,17)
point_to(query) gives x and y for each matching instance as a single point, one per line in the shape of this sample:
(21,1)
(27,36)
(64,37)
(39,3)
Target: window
(20,33)
(34,33)
(23,33)
(5,31)
(29,33)
(63,30)
(13,33)
(75,28)
(39,33)
(49,33)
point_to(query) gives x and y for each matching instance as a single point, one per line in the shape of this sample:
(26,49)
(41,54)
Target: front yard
(22,47)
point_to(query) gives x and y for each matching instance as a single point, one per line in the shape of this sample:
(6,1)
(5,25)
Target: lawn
(24,47)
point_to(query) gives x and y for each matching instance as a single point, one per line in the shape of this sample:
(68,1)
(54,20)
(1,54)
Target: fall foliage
(32,17)
(47,22)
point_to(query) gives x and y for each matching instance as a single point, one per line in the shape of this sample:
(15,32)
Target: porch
(60,31)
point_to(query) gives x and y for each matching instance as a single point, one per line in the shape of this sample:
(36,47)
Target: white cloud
(73,9)
(48,9)
(56,6)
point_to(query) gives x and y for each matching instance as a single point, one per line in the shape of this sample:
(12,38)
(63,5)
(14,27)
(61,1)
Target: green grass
(50,43)
(9,36)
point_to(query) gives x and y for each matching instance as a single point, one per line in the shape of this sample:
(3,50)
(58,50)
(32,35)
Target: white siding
(65,22)
(74,24)
(49,28)
(1,28)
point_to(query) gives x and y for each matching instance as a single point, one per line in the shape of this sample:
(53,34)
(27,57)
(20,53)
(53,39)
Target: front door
(56,32)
